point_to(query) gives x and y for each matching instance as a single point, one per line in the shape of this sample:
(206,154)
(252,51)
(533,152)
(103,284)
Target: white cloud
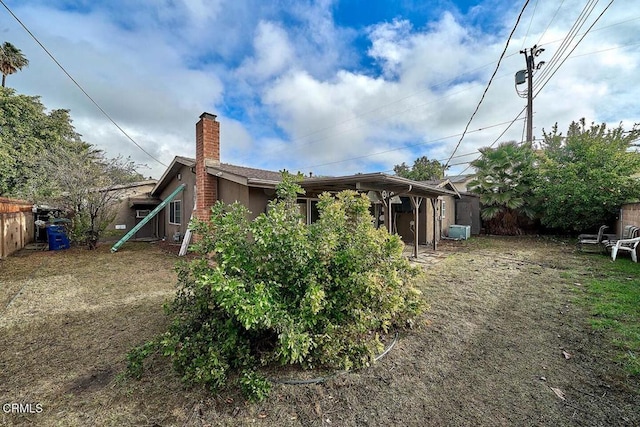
(273,53)
(293,89)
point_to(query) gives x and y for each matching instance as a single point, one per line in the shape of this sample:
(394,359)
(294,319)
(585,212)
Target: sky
(333,87)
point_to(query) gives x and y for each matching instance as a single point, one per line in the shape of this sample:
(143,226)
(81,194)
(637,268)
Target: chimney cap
(209,116)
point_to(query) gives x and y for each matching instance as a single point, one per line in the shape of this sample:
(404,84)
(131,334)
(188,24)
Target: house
(460,182)
(202,181)
(134,203)
(208,180)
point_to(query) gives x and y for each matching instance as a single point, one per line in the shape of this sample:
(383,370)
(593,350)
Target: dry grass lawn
(488,352)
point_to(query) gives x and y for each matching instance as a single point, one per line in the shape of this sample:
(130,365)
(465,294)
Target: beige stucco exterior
(183,175)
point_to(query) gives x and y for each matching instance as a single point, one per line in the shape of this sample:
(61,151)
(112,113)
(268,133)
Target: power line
(553,18)
(574,48)
(515,119)
(79,86)
(488,84)
(568,39)
(524,39)
(381,107)
(401,148)
(451,136)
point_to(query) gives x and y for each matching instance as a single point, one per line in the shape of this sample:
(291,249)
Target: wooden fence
(16,225)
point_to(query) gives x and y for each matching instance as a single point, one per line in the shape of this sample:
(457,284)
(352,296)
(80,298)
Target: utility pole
(529,55)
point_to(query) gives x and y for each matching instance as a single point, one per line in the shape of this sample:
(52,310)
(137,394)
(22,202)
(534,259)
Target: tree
(423,169)
(27,131)
(87,186)
(44,160)
(11,60)
(587,175)
(505,180)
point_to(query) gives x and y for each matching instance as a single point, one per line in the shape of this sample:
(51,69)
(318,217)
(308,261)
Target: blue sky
(333,87)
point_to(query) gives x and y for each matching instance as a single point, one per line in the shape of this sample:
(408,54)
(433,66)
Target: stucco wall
(230,192)
(258,201)
(186,196)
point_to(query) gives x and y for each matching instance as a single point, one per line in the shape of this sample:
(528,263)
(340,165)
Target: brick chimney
(207,153)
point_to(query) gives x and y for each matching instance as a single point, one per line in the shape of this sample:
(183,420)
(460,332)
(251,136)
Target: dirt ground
(489,352)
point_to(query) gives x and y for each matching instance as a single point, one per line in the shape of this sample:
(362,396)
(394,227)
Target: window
(175,212)
(309,210)
(141,213)
(443,208)
(302,205)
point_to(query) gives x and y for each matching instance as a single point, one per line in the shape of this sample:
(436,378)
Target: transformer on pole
(523,76)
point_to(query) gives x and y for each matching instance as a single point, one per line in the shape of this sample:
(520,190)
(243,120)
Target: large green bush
(277,290)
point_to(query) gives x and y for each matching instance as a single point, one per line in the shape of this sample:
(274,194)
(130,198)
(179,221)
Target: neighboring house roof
(133,184)
(459,179)
(443,183)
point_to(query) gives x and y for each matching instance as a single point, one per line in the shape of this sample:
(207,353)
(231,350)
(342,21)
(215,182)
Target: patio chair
(592,241)
(626,245)
(628,232)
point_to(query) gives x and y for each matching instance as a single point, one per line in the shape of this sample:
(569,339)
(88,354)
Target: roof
(263,178)
(375,182)
(133,184)
(176,164)
(443,183)
(251,177)
(456,179)
(243,175)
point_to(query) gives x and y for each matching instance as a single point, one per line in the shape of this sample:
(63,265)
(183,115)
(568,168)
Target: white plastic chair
(626,245)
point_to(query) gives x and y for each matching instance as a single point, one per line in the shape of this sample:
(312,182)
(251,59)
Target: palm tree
(11,60)
(504,180)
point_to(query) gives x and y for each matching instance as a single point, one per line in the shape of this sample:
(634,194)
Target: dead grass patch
(488,352)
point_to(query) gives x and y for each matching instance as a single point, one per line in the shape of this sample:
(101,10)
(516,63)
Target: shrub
(277,290)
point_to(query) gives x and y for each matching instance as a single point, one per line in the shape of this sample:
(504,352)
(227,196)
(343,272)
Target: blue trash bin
(57,237)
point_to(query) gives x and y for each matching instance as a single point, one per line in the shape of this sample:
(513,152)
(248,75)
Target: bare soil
(505,342)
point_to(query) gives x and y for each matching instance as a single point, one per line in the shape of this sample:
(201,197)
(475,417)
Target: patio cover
(384,186)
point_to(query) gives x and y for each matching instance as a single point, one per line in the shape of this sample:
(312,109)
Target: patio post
(435,212)
(416,202)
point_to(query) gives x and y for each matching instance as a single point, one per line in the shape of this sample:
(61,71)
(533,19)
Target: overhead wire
(524,39)
(542,85)
(550,22)
(490,80)
(80,87)
(381,107)
(554,71)
(401,148)
(515,119)
(569,38)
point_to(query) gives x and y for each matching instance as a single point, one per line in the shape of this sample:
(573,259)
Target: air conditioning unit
(462,232)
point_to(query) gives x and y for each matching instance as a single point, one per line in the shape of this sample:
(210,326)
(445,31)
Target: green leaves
(11,60)
(504,180)
(277,290)
(423,169)
(587,175)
